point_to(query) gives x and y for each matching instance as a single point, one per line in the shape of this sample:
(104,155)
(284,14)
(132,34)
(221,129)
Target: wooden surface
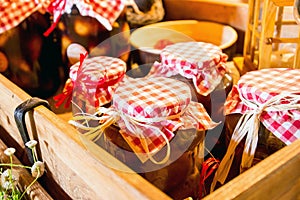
(68,162)
(36,191)
(283,2)
(277,177)
(233,13)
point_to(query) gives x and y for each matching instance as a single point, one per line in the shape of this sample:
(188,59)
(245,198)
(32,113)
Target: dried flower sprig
(9,179)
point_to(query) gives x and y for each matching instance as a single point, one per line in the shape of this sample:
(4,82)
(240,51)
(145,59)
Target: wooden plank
(233,14)
(276,177)
(36,191)
(69,163)
(265,47)
(283,2)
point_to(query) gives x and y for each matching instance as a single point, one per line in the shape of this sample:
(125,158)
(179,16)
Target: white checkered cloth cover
(14,12)
(202,62)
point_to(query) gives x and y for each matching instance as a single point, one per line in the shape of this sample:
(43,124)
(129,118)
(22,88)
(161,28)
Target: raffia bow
(248,126)
(109,116)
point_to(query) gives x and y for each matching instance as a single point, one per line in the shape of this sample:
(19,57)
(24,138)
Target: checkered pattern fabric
(260,86)
(14,12)
(202,62)
(151,107)
(95,81)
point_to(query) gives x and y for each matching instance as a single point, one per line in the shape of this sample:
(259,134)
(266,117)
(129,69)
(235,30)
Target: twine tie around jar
(135,125)
(248,126)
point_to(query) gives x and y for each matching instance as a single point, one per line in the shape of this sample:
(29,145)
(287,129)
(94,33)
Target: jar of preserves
(262,116)
(203,67)
(28,58)
(154,128)
(98,35)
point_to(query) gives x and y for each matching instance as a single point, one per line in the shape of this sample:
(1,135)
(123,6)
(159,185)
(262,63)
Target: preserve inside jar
(267,145)
(33,61)
(179,178)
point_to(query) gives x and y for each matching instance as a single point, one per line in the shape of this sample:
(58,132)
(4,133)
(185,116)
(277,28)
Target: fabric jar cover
(148,111)
(14,12)
(93,80)
(202,62)
(270,96)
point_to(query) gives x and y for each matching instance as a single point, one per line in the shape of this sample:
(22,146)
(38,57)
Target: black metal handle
(19,115)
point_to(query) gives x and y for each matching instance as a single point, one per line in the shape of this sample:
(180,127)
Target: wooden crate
(79,175)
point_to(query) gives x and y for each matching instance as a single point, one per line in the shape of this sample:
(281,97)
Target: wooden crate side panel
(234,14)
(275,177)
(70,164)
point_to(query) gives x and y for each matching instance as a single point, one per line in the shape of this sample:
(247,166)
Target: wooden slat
(283,2)
(68,162)
(268,21)
(276,177)
(233,14)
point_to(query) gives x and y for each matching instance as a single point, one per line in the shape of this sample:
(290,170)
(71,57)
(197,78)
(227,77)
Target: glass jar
(179,179)
(31,60)
(203,67)
(154,128)
(262,116)
(93,36)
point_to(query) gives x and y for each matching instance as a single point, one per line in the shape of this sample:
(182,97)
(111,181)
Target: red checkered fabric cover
(94,82)
(150,107)
(258,87)
(202,62)
(14,12)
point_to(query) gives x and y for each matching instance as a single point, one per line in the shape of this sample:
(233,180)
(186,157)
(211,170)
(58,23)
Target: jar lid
(152,98)
(274,93)
(202,62)
(93,80)
(98,69)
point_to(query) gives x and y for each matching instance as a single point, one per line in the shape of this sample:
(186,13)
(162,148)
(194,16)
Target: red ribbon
(208,167)
(102,85)
(54,7)
(66,95)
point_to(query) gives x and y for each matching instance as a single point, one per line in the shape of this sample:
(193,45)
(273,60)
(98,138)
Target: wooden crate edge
(54,133)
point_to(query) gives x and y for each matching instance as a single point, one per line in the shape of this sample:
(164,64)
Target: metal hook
(19,116)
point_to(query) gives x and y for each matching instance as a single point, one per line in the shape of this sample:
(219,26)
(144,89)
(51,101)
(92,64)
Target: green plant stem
(36,178)
(10,175)
(13,165)
(34,155)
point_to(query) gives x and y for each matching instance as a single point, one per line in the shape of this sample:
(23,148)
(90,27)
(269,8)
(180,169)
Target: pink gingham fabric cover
(260,86)
(202,62)
(151,101)
(95,80)
(14,12)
